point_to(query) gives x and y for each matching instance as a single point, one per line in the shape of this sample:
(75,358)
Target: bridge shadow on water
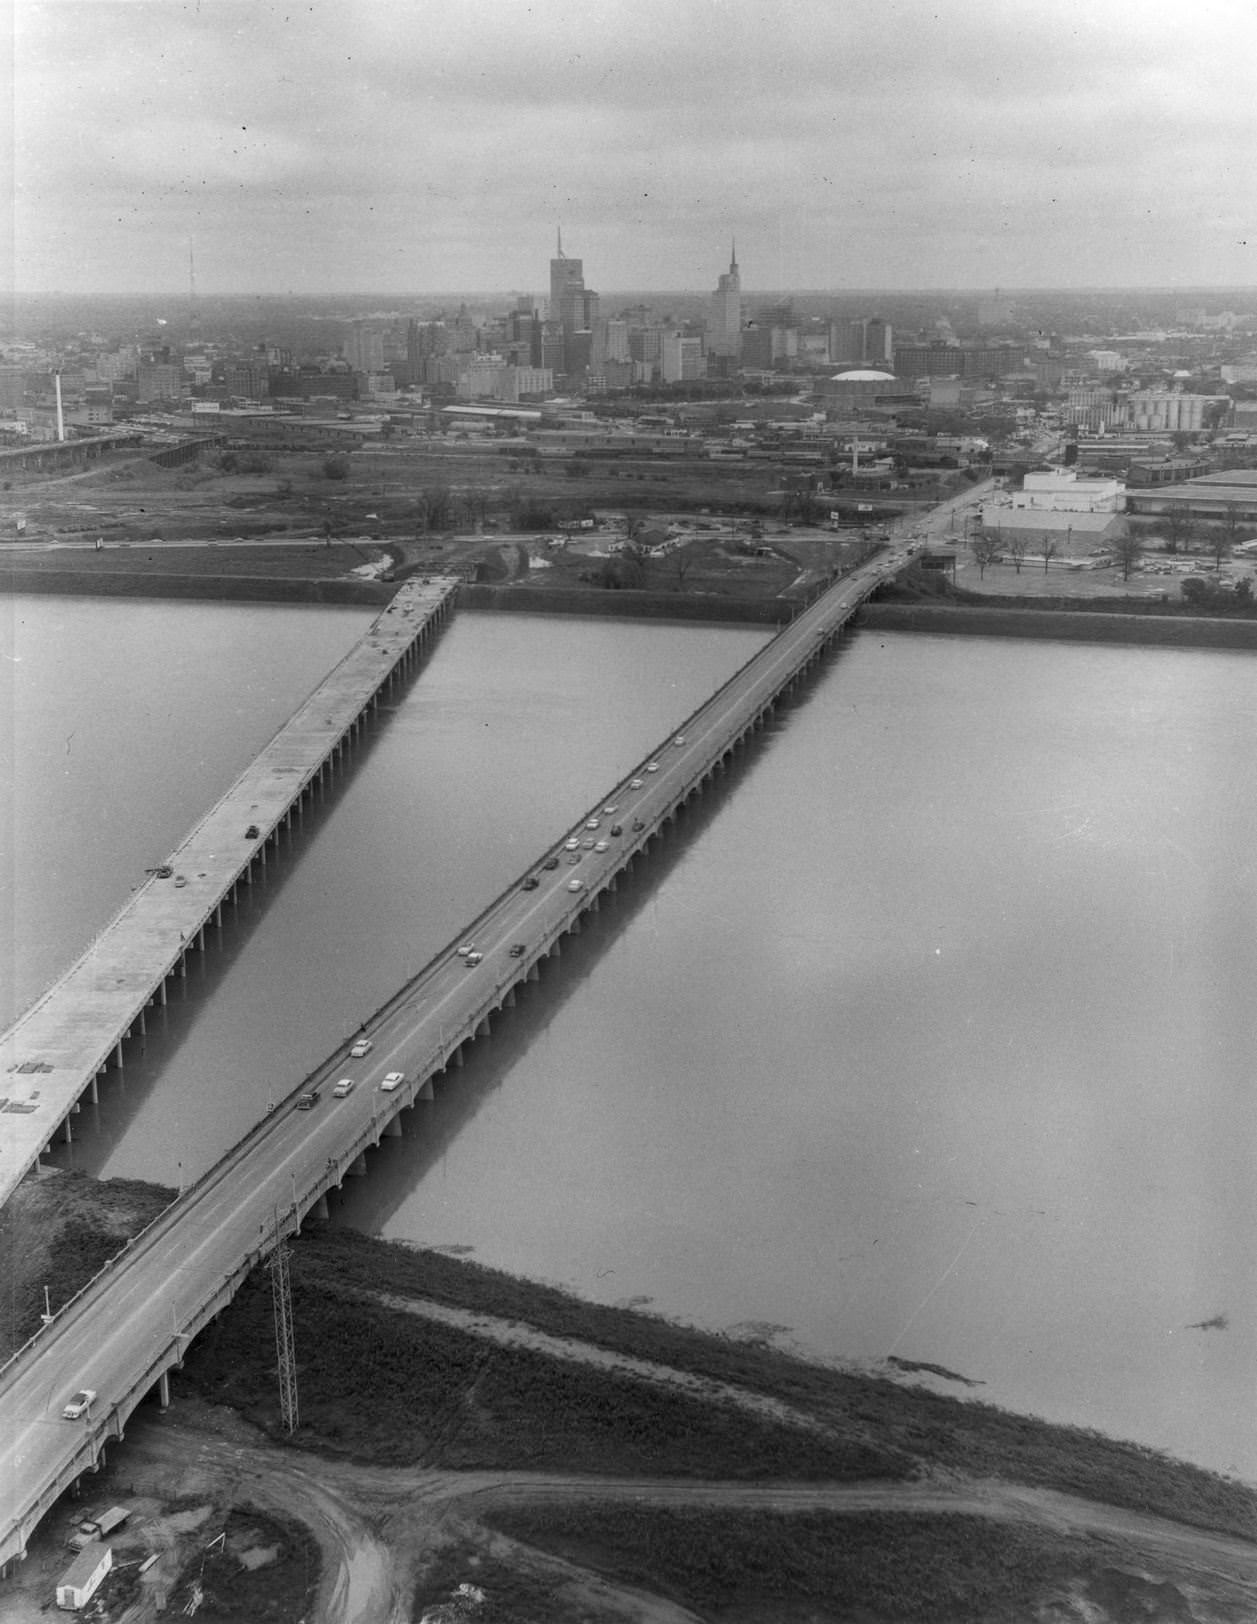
(397,1165)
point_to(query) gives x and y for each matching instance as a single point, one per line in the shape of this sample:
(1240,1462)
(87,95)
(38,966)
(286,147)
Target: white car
(610,811)
(680,739)
(592,824)
(80,1404)
(603,845)
(636,783)
(652,766)
(363,1046)
(572,845)
(576,885)
(393,1080)
(345,1086)
(465,949)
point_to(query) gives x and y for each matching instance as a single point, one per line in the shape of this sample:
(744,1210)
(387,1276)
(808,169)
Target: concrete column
(425,1090)
(161,991)
(117,1053)
(93,1089)
(393,1128)
(534,972)
(183,972)
(163,1390)
(321,1208)
(69,1136)
(509,1001)
(482,1031)
(358,1166)
(143,1023)
(456,1059)
(574,927)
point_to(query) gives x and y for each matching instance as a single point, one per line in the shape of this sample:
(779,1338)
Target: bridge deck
(53,1053)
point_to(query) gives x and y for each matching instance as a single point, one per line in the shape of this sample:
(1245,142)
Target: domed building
(864,389)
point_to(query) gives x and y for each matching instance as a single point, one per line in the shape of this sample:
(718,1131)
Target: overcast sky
(415,146)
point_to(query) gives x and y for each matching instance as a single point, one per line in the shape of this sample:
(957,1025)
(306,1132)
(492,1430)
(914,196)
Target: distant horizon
(896,145)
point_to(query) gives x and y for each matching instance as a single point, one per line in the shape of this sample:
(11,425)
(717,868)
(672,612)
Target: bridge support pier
(163,1390)
(509,1001)
(93,1089)
(358,1166)
(534,972)
(393,1127)
(482,1031)
(321,1207)
(425,1091)
(456,1059)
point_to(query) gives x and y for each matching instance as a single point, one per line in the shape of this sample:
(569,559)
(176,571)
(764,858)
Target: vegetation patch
(816,1566)
(250,1566)
(59,1230)
(900,1422)
(394,1389)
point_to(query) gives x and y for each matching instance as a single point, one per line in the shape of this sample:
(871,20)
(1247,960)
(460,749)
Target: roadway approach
(127,1329)
(58,1049)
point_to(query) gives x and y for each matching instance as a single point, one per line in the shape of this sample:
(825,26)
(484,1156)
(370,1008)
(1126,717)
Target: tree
(335,466)
(1178,529)
(1016,547)
(1047,548)
(985,550)
(1128,550)
(435,505)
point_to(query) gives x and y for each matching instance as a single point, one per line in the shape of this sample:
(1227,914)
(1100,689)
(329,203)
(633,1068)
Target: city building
(724,323)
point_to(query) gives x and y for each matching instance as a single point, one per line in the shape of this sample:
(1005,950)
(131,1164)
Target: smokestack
(60,413)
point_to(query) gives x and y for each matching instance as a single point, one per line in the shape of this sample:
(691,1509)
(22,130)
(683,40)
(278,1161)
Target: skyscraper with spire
(724,325)
(573,308)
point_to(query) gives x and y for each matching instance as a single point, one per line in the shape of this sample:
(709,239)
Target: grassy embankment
(58,1230)
(418,1391)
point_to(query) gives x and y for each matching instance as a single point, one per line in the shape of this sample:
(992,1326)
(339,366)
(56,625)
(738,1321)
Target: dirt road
(377,1526)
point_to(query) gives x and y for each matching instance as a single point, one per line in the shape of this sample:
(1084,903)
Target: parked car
(343,1087)
(80,1404)
(392,1080)
(361,1047)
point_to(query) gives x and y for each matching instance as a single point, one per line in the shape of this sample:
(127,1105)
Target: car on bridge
(518,950)
(617,829)
(392,1080)
(80,1405)
(652,766)
(592,824)
(571,845)
(551,862)
(343,1087)
(680,739)
(531,883)
(307,1101)
(362,1047)
(576,885)
(636,783)
(603,845)
(473,958)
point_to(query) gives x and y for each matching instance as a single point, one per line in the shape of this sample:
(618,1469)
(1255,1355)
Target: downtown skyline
(354,146)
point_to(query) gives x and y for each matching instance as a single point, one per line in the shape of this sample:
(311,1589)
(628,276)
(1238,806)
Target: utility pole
(285,1347)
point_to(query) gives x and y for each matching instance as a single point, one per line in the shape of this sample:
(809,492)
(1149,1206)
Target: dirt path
(378,1526)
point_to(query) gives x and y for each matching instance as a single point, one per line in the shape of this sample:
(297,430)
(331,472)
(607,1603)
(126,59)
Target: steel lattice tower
(285,1347)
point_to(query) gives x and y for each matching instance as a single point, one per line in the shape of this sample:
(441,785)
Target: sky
(416,146)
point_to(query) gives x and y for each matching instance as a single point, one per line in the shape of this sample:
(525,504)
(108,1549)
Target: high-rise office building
(573,307)
(724,326)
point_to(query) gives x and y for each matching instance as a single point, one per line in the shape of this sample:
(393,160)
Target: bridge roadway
(126,1330)
(56,1051)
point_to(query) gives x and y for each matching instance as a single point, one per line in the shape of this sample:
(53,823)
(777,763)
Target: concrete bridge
(125,1332)
(58,1050)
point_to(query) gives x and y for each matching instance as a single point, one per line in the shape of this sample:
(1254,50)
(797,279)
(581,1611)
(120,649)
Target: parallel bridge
(122,1335)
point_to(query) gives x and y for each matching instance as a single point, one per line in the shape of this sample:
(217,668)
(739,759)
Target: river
(926,1035)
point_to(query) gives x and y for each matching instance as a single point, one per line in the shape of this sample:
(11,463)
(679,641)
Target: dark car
(518,950)
(617,829)
(307,1102)
(638,824)
(531,883)
(551,862)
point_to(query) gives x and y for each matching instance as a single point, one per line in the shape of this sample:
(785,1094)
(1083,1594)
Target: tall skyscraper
(724,326)
(573,306)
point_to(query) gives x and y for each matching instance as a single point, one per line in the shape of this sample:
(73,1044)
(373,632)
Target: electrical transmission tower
(285,1348)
